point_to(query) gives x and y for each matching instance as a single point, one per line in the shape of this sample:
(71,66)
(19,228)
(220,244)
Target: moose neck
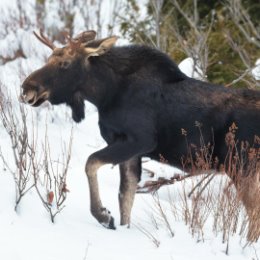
(101,84)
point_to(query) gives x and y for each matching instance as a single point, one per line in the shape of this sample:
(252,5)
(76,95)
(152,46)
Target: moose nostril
(29,97)
(30,101)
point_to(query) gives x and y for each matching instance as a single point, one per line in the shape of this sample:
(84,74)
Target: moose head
(65,76)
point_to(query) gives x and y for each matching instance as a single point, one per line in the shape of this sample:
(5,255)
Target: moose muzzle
(33,98)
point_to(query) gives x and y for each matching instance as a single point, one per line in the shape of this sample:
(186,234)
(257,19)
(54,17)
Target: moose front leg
(130,172)
(102,215)
(113,154)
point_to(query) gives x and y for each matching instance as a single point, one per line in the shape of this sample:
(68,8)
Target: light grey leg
(130,172)
(98,211)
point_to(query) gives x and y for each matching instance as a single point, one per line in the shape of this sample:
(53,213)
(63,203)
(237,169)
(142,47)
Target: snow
(29,234)
(256,70)
(187,67)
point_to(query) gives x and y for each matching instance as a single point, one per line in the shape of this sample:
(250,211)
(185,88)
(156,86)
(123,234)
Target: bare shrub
(162,213)
(33,165)
(16,128)
(243,168)
(225,206)
(231,205)
(51,182)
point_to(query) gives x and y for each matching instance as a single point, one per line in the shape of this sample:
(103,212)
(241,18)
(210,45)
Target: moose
(143,101)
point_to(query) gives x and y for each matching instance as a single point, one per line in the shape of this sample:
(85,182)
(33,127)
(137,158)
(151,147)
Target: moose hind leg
(130,172)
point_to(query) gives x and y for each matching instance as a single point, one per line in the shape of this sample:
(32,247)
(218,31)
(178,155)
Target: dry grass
(224,198)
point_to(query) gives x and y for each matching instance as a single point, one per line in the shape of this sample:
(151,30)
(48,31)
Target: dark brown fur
(143,101)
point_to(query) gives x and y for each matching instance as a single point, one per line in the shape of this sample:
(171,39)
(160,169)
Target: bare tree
(243,22)
(195,42)
(157,6)
(249,34)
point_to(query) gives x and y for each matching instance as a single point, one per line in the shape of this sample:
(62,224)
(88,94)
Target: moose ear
(97,48)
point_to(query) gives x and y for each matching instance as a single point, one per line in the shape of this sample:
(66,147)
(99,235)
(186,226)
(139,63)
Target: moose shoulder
(143,101)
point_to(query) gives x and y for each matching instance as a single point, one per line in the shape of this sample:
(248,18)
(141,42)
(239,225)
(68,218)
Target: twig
(245,73)
(199,183)
(148,234)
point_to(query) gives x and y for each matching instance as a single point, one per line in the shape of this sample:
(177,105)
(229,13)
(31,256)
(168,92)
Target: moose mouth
(33,98)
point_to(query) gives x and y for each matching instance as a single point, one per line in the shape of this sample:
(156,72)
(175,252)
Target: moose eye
(64,64)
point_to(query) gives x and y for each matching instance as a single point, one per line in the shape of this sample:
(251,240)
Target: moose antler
(74,44)
(86,36)
(83,37)
(44,39)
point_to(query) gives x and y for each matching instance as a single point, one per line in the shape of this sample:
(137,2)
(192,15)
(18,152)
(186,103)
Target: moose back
(144,103)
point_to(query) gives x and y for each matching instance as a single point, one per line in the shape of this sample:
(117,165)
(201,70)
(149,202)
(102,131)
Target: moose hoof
(110,224)
(106,219)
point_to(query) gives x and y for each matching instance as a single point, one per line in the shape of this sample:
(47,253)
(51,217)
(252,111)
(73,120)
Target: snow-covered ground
(29,234)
